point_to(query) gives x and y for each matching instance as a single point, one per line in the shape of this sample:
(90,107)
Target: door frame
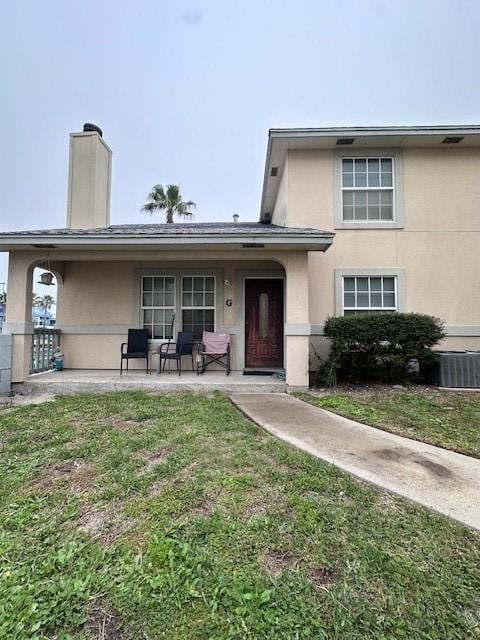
(244,313)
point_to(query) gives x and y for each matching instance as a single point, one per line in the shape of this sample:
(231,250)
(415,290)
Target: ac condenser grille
(460,370)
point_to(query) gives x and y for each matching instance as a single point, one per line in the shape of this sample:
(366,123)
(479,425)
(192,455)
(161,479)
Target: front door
(264,324)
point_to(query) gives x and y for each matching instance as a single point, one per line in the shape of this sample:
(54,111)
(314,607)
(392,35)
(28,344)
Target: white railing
(45,341)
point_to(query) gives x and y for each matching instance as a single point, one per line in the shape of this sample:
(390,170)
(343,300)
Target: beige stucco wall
(99,299)
(437,248)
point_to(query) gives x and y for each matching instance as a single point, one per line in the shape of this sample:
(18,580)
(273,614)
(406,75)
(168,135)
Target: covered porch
(254,286)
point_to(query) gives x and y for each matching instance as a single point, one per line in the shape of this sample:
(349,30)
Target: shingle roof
(176,229)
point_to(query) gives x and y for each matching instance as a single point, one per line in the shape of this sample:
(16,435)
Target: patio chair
(215,348)
(137,347)
(183,347)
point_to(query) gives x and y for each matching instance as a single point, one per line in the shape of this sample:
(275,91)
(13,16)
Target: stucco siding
(100,300)
(442,189)
(437,249)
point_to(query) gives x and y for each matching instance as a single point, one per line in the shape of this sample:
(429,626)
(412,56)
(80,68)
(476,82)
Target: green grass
(445,419)
(135,516)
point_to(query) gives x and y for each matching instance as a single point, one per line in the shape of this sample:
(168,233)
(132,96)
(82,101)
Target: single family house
(352,220)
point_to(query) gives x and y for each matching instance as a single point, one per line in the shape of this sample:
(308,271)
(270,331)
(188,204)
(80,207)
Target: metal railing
(45,341)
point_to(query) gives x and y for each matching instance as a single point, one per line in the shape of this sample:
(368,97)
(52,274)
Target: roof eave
(375,131)
(310,242)
(356,132)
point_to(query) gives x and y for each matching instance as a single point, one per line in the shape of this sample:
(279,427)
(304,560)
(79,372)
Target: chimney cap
(89,126)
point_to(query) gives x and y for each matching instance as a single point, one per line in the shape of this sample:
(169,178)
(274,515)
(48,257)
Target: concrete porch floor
(74,381)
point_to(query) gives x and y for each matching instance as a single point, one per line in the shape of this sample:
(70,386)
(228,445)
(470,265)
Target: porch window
(158,305)
(368,294)
(367,189)
(198,304)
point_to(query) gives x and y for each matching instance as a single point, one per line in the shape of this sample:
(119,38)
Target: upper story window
(368,189)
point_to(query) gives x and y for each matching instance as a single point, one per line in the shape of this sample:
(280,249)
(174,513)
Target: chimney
(235,217)
(89,176)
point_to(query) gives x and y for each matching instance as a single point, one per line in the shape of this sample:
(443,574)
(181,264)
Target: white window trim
(153,308)
(398,274)
(378,189)
(370,308)
(397,180)
(177,272)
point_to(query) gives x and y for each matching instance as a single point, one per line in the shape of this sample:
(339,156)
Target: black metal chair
(137,347)
(183,347)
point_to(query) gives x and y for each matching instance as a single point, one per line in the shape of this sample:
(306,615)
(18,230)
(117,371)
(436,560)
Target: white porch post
(19,314)
(297,320)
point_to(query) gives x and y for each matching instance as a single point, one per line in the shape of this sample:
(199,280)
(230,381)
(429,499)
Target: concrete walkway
(442,480)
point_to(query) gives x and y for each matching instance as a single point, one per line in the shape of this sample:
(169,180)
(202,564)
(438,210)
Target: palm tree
(44,302)
(169,200)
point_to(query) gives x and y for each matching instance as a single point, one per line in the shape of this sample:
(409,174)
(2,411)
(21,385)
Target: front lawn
(443,418)
(133,516)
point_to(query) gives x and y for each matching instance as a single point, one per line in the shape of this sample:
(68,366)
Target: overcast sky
(186,91)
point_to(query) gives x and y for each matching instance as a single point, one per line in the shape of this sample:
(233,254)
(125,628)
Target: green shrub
(381,346)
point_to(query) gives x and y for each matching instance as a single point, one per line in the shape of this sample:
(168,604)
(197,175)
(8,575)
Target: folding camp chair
(215,347)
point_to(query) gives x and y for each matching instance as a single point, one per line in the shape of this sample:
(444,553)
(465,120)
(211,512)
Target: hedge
(381,346)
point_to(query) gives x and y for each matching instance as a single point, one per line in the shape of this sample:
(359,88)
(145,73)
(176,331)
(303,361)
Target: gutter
(37,242)
(325,132)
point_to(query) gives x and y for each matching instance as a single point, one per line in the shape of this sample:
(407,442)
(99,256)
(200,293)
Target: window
(158,305)
(367,189)
(367,294)
(198,304)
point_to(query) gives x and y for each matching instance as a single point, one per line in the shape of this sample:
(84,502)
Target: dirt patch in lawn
(277,562)
(261,502)
(117,422)
(323,577)
(105,525)
(103,625)
(202,509)
(367,389)
(152,458)
(76,475)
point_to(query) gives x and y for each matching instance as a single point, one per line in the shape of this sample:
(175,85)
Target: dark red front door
(264,324)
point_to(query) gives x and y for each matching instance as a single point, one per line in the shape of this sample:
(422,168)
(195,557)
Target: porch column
(19,314)
(297,320)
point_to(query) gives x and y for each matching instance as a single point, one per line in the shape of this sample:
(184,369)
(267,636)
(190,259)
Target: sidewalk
(442,480)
